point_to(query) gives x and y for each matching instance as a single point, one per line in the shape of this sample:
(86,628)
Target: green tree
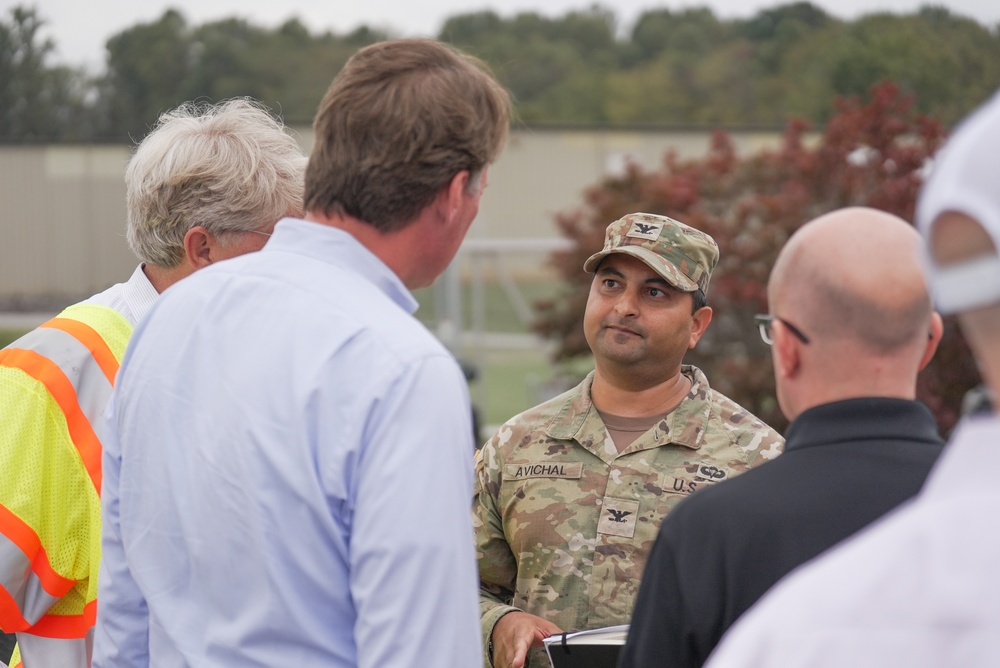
(676,67)
(148,65)
(156,66)
(785,22)
(870,154)
(38,102)
(950,63)
(695,32)
(555,68)
(287,69)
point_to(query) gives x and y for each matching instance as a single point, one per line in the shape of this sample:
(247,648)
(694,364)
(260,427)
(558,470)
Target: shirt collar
(335,246)
(139,295)
(685,424)
(868,418)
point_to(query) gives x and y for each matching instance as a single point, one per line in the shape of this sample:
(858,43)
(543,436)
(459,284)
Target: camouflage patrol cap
(682,255)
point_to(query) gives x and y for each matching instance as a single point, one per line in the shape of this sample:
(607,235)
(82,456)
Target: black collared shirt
(845,464)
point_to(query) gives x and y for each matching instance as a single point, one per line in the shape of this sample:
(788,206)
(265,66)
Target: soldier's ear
(699,323)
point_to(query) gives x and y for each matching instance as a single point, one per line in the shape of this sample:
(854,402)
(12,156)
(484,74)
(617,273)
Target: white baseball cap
(965,179)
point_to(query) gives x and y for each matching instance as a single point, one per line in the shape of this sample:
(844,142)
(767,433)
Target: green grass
(511,381)
(7,336)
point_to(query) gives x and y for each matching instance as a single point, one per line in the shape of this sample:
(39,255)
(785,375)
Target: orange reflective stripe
(22,535)
(86,335)
(67,626)
(11,619)
(59,386)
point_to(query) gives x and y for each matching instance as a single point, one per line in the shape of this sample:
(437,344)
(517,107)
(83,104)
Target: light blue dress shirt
(288,477)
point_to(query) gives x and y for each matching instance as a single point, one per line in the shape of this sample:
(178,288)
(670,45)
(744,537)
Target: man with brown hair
(287,479)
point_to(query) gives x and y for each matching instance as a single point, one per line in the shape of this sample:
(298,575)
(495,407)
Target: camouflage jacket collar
(578,420)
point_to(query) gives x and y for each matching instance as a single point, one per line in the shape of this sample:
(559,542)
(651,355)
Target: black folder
(596,648)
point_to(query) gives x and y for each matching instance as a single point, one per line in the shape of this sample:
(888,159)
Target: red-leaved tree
(871,153)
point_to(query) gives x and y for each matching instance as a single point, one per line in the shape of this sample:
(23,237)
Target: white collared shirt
(132,299)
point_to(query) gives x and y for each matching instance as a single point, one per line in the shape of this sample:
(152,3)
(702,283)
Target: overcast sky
(81,28)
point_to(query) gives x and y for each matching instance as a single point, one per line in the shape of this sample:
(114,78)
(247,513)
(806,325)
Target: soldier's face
(635,319)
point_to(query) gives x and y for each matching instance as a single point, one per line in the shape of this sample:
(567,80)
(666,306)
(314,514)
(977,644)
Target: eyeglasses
(765,322)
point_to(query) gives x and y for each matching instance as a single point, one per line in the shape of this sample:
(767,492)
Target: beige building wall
(543,172)
(62,208)
(62,221)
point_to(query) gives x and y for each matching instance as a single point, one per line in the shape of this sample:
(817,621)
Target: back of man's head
(399,121)
(959,214)
(854,274)
(851,283)
(229,168)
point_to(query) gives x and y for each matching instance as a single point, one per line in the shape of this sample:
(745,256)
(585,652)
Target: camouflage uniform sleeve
(758,442)
(764,444)
(497,566)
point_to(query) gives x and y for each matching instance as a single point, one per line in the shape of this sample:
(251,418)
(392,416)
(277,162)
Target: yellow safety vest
(55,383)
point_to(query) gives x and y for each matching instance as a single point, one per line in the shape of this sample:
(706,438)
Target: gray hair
(229,167)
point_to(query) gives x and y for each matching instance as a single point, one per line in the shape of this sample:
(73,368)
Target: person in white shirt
(287,480)
(921,587)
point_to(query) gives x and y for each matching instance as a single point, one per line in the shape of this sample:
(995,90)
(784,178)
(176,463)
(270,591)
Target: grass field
(8,335)
(510,379)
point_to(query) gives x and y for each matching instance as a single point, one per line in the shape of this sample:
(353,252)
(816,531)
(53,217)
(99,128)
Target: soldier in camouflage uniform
(570,494)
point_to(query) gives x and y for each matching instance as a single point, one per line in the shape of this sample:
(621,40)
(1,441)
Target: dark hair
(399,121)
(698,300)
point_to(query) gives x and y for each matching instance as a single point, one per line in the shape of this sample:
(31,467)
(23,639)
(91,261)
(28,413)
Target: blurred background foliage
(880,89)
(673,67)
(873,151)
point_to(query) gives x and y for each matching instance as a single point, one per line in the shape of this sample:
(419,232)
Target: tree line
(684,67)
(873,151)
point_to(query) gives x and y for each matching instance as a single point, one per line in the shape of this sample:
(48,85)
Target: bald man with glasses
(851,325)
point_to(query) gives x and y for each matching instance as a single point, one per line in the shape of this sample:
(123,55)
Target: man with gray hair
(208,183)
(921,587)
